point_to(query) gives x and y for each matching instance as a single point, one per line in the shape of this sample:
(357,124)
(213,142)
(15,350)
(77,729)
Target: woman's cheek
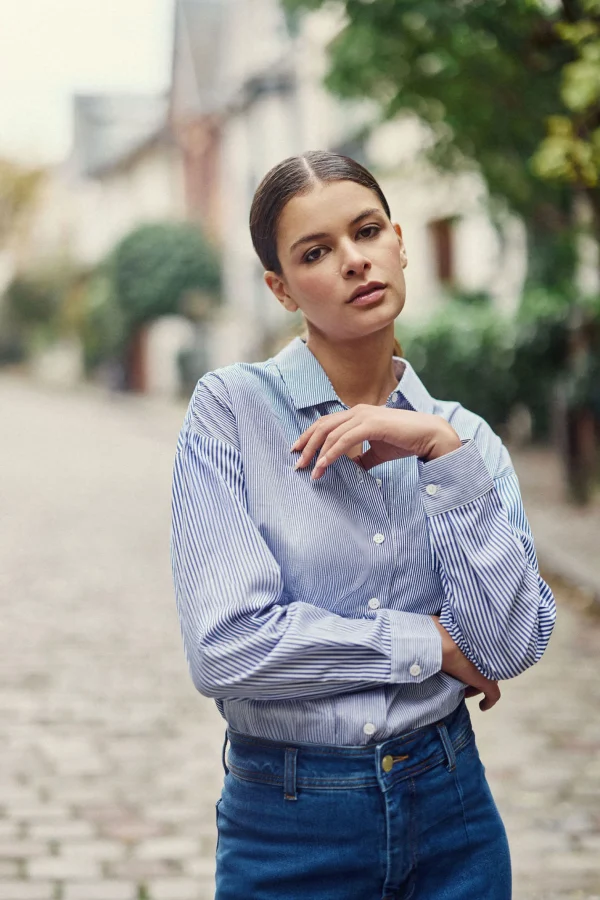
(316,286)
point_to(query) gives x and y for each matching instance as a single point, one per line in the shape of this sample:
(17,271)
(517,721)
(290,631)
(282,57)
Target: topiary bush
(154,267)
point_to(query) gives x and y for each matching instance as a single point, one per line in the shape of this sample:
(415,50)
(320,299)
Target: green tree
(571,150)
(486,77)
(156,267)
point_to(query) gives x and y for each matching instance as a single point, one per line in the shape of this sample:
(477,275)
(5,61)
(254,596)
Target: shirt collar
(308,384)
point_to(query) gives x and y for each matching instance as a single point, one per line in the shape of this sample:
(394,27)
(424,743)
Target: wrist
(445,440)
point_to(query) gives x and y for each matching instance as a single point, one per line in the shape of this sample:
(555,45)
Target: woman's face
(334,242)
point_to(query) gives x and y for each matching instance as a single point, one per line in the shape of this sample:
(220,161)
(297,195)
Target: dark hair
(297,175)
(294,176)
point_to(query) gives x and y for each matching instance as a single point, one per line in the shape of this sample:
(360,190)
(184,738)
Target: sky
(51,49)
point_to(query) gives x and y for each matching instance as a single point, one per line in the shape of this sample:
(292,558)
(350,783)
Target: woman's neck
(360,371)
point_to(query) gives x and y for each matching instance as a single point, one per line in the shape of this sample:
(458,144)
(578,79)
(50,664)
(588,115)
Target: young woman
(350,556)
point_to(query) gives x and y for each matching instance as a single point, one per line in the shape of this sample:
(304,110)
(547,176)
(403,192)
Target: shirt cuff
(454,479)
(416,647)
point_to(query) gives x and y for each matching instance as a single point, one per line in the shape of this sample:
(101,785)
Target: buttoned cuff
(454,479)
(416,647)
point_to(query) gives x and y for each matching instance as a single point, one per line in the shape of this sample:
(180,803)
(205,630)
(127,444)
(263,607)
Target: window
(441,235)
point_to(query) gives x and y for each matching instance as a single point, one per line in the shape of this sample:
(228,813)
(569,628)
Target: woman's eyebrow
(318,236)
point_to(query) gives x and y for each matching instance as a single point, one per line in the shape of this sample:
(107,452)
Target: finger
(340,442)
(490,699)
(301,442)
(341,439)
(367,460)
(314,438)
(472,692)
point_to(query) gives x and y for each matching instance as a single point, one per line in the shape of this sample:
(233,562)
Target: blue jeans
(412,817)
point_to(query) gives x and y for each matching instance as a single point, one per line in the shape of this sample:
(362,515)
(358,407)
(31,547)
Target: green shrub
(466,353)
(156,266)
(103,331)
(489,363)
(541,347)
(32,300)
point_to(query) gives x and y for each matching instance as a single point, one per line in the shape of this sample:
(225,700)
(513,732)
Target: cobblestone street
(111,761)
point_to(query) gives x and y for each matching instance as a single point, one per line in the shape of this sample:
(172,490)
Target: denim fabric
(301,821)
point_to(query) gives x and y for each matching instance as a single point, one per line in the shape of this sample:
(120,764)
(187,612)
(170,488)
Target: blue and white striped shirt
(305,605)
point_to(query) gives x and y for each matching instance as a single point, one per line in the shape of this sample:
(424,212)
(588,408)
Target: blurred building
(239,106)
(246,92)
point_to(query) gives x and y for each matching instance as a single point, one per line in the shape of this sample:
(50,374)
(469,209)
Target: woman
(350,556)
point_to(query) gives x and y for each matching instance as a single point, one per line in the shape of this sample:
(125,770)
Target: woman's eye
(369,231)
(313,255)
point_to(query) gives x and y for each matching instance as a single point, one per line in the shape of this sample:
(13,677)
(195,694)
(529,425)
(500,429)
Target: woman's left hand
(391,433)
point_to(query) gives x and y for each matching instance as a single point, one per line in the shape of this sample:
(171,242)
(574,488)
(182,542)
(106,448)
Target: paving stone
(25,890)
(58,831)
(22,849)
(131,829)
(39,813)
(168,848)
(173,889)
(9,868)
(63,868)
(93,849)
(101,890)
(200,867)
(142,869)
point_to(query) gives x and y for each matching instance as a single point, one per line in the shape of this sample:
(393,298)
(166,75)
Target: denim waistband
(292,765)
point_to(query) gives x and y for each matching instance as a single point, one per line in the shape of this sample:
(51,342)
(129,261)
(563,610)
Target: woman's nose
(353,261)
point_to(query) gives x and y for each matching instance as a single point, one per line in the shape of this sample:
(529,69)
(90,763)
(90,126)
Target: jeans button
(387,763)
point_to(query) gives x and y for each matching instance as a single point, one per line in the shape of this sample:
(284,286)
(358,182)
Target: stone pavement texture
(110,761)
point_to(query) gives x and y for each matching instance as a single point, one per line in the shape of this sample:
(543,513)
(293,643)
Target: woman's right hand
(455,663)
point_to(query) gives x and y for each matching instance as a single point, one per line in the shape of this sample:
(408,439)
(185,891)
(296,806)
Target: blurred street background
(132,137)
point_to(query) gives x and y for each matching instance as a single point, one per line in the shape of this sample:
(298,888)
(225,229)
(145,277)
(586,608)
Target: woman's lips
(372,296)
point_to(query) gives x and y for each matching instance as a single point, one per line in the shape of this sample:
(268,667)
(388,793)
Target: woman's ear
(277,285)
(403,255)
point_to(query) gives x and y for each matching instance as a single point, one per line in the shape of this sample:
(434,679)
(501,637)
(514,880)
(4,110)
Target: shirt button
(378,482)
(369,728)
(379,538)
(394,397)
(415,670)
(374,603)
(432,489)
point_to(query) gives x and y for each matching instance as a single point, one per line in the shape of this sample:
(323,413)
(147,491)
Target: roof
(224,52)
(110,127)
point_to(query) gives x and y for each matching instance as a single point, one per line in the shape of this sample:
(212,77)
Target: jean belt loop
(223,753)
(289,774)
(448,747)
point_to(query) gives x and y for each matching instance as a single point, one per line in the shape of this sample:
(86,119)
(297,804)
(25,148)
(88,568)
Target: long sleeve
(243,636)
(497,608)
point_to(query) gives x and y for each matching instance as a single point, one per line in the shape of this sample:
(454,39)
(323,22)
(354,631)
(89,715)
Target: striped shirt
(305,605)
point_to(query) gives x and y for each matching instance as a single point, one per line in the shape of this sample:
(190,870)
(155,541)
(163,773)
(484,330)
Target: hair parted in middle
(290,178)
